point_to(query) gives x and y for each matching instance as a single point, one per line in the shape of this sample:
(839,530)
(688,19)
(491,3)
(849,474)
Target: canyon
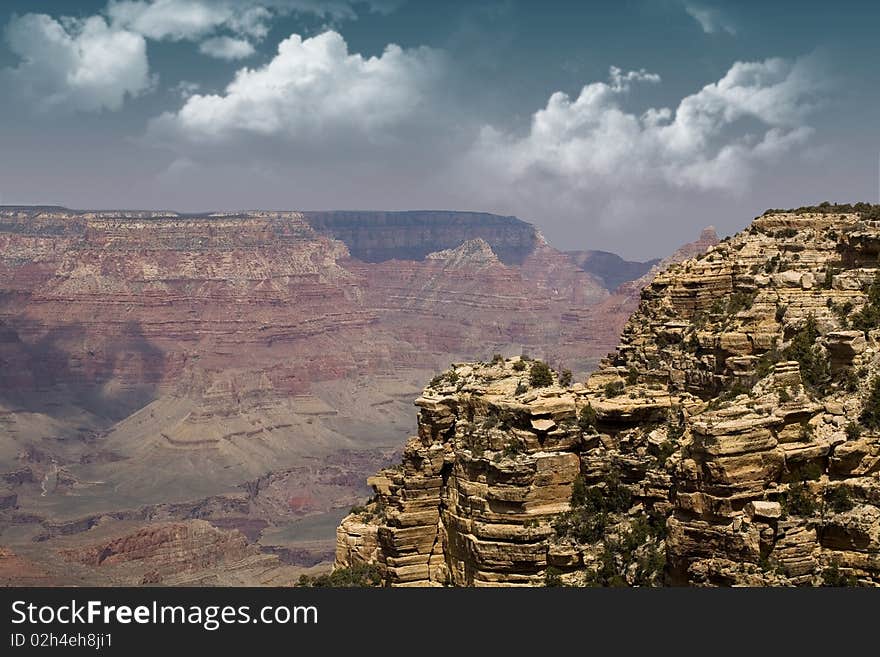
(732,438)
(223,383)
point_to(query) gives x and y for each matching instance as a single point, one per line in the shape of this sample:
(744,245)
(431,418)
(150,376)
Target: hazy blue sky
(624,125)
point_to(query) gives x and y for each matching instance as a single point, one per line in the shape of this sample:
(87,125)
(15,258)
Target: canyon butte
(199,398)
(732,438)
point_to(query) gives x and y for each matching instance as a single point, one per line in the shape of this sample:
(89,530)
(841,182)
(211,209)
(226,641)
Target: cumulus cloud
(185,88)
(312,91)
(620,80)
(227,48)
(590,151)
(320,126)
(187,19)
(75,64)
(179,20)
(711,19)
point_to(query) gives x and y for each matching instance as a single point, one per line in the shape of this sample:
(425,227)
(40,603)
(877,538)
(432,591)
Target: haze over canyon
(200,398)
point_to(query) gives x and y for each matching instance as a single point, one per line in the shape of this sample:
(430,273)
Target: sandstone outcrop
(732,438)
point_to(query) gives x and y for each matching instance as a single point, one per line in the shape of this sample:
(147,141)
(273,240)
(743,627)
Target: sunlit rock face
(732,438)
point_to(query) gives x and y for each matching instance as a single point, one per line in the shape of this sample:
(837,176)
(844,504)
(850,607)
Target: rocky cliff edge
(733,438)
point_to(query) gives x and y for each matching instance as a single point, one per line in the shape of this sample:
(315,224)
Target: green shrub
(588,418)
(798,501)
(591,507)
(497,358)
(358,575)
(807,432)
(512,448)
(767,360)
(718,307)
(780,312)
(540,375)
(772,264)
(814,364)
(847,379)
(614,388)
(865,210)
(617,497)
(853,431)
(869,316)
(811,471)
(784,396)
(666,449)
(832,576)
(870,416)
(565,377)
(740,301)
(553,576)
(519,366)
(843,311)
(632,376)
(839,499)
(636,554)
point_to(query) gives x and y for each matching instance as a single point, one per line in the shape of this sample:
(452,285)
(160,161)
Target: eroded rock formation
(733,437)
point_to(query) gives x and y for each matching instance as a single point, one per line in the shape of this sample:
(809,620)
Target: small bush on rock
(798,501)
(870,416)
(540,375)
(587,418)
(565,377)
(358,575)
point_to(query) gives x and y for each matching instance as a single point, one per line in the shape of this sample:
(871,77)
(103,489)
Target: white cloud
(711,19)
(589,151)
(620,80)
(75,64)
(179,20)
(227,48)
(185,88)
(313,91)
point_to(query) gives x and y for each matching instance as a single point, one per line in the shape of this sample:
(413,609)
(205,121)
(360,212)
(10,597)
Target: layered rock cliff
(249,368)
(374,236)
(733,437)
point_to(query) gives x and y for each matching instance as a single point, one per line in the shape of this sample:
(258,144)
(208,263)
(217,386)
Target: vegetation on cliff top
(540,375)
(359,575)
(866,210)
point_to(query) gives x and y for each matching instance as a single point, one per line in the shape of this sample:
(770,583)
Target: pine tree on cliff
(803,349)
(870,416)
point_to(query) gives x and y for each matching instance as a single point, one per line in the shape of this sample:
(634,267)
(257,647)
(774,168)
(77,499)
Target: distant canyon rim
(199,398)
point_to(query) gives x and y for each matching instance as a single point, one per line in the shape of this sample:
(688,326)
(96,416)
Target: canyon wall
(378,236)
(249,369)
(732,438)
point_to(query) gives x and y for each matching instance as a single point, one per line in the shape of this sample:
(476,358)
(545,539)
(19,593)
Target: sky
(626,126)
